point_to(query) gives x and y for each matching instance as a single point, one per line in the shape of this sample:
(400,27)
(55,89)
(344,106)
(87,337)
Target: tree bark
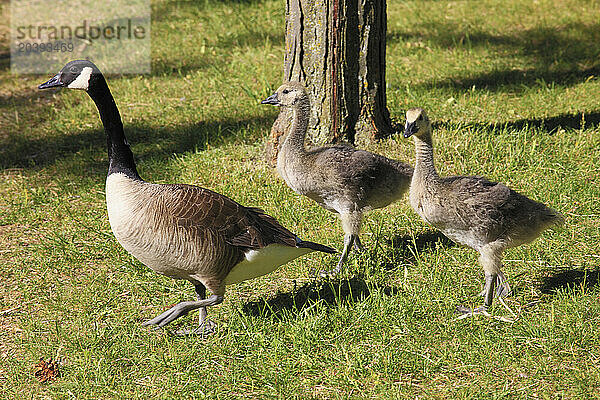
(337,49)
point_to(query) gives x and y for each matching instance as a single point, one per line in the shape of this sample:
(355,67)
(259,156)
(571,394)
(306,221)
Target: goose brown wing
(246,228)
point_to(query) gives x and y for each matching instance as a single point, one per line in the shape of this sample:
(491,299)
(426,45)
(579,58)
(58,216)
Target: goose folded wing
(242,227)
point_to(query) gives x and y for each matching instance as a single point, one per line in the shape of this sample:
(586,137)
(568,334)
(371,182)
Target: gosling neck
(294,142)
(119,154)
(424,165)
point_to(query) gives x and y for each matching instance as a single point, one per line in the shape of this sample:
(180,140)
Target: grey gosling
(339,178)
(181,231)
(487,216)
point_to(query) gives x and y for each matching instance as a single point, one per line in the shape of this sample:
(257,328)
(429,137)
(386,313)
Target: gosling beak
(272,99)
(410,129)
(53,82)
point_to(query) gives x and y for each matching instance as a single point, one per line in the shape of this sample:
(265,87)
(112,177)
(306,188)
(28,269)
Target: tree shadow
(186,60)
(5,60)
(164,10)
(331,292)
(568,279)
(406,247)
(182,65)
(566,54)
(548,124)
(34,152)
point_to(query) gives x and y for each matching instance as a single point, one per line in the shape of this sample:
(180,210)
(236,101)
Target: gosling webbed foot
(467,312)
(332,273)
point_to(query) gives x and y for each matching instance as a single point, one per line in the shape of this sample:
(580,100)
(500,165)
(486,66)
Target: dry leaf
(46,371)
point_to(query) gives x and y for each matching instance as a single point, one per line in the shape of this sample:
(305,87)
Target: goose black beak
(410,129)
(272,99)
(53,82)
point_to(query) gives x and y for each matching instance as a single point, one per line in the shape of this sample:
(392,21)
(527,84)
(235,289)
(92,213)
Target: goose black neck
(120,157)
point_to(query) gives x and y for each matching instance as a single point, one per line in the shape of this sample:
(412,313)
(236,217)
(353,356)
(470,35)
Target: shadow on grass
(183,64)
(33,152)
(568,280)
(165,10)
(4,60)
(549,124)
(516,79)
(565,54)
(220,42)
(331,292)
(406,247)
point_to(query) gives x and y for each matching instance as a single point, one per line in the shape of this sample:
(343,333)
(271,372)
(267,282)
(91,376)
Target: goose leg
(182,309)
(205,325)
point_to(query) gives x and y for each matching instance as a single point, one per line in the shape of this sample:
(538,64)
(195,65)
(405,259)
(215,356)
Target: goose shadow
(406,247)
(331,292)
(568,279)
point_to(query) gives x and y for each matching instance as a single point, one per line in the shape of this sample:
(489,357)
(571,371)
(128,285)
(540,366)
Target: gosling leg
(488,297)
(358,245)
(348,241)
(351,222)
(502,287)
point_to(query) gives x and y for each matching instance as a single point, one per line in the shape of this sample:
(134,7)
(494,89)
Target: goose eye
(73,69)
(285,91)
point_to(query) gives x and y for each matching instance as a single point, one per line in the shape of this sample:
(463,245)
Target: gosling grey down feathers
(488,217)
(339,178)
(181,231)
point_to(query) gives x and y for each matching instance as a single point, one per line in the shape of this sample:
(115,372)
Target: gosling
(181,231)
(487,216)
(339,178)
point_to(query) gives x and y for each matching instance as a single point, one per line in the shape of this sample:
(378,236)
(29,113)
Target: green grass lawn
(513,87)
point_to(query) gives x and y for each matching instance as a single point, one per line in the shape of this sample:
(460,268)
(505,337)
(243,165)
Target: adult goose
(339,178)
(181,231)
(487,216)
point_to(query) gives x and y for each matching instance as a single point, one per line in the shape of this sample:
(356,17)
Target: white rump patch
(263,261)
(83,80)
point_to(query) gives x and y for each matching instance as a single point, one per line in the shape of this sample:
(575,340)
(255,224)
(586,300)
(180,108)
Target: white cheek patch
(83,80)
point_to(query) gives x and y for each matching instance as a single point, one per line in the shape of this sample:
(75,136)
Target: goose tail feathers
(315,246)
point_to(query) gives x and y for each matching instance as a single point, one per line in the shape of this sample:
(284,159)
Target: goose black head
(288,95)
(417,122)
(78,74)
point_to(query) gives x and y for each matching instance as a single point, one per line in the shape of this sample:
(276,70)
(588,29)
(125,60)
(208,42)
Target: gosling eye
(420,118)
(285,91)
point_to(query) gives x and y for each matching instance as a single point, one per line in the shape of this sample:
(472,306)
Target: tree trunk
(337,49)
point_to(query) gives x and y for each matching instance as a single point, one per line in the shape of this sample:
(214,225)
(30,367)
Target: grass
(514,93)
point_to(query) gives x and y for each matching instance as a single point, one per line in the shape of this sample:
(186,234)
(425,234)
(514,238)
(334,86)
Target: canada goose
(339,178)
(181,231)
(487,216)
